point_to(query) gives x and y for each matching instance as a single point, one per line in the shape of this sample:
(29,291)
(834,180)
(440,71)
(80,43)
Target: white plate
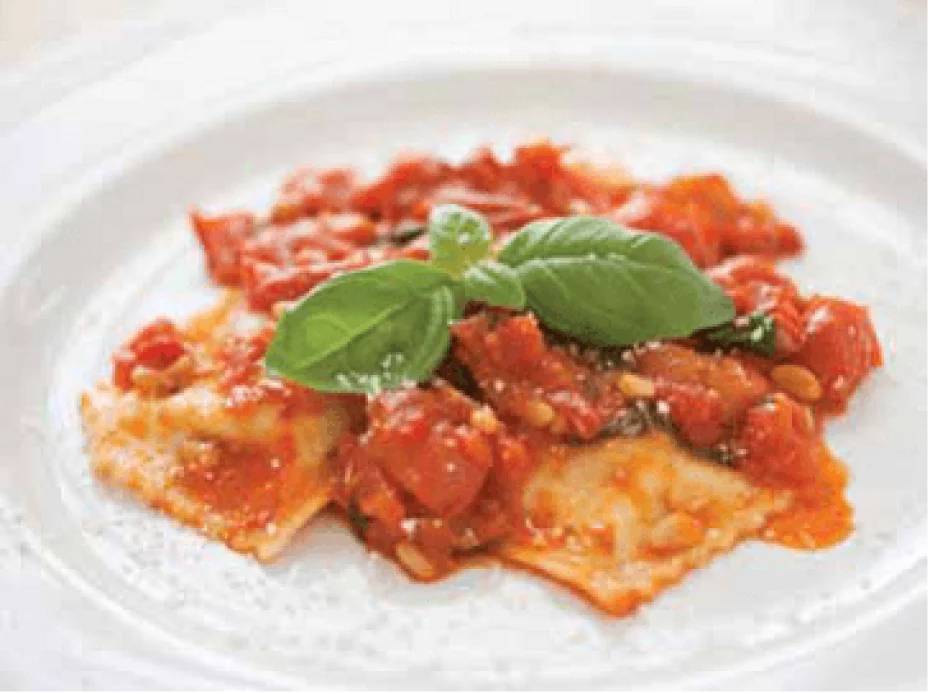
(113,251)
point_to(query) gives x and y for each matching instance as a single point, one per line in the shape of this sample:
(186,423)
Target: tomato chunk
(397,192)
(423,441)
(706,218)
(266,284)
(310,191)
(222,238)
(777,443)
(840,346)
(157,346)
(737,383)
(433,469)
(530,380)
(697,412)
(754,284)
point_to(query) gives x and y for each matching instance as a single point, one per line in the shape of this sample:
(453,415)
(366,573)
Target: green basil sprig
(387,325)
(458,238)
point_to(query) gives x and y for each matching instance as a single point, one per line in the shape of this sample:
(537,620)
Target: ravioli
(250,476)
(618,521)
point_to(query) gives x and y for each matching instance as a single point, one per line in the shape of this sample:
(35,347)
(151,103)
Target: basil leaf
(458,238)
(754,332)
(493,283)
(367,330)
(606,285)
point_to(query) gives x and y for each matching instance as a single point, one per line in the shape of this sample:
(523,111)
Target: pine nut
(483,420)
(539,413)
(634,386)
(558,425)
(798,382)
(414,561)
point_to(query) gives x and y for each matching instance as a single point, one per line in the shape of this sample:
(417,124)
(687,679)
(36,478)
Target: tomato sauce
(434,468)
(242,377)
(433,472)
(247,485)
(156,347)
(328,221)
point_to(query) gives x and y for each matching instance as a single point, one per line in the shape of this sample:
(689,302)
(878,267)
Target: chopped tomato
(429,470)
(503,211)
(706,218)
(156,346)
(780,449)
(840,346)
(777,439)
(424,442)
(326,221)
(691,226)
(243,376)
(396,193)
(241,357)
(222,238)
(754,285)
(267,284)
(756,230)
(697,412)
(309,191)
(374,502)
(738,384)
(744,269)
(350,227)
(532,381)
(483,171)
(538,170)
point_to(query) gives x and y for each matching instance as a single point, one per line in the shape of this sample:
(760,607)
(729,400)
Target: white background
(876,49)
(842,28)
(30,27)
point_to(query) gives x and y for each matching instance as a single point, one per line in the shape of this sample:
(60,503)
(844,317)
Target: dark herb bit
(767,399)
(405,233)
(358,520)
(630,422)
(459,377)
(754,332)
(656,413)
(722,454)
